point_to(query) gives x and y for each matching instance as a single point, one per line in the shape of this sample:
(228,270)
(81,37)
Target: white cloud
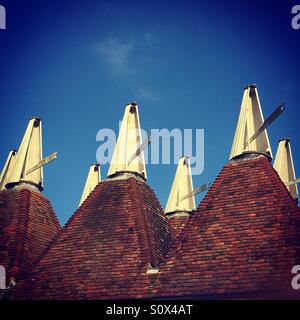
(116,54)
(143,93)
(132,61)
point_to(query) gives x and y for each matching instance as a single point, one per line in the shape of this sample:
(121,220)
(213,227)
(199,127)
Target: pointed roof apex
(38,119)
(285,139)
(250,121)
(93,178)
(29,154)
(132,103)
(128,157)
(284,165)
(182,185)
(251,86)
(7,169)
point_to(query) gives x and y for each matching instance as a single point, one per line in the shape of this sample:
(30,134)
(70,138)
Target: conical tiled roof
(243,239)
(241,242)
(114,237)
(28,226)
(28,223)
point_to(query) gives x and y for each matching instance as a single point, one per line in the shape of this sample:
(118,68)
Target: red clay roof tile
(242,241)
(243,238)
(28,225)
(109,241)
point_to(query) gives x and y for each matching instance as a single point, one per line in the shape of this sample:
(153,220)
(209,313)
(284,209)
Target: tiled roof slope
(243,240)
(177,223)
(109,241)
(28,226)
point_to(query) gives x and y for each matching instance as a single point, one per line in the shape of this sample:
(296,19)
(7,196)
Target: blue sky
(77,63)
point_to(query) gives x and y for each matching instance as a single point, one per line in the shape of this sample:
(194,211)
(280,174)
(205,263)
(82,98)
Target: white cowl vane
(29,154)
(182,186)
(7,169)
(250,120)
(92,180)
(129,141)
(284,165)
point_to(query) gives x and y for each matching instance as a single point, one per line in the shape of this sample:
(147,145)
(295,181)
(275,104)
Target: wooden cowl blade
(182,185)
(293,182)
(129,141)
(284,165)
(250,121)
(7,169)
(92,180)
